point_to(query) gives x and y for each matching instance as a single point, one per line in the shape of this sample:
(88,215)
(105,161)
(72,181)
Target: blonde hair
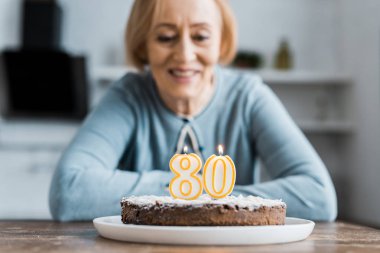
(140,22)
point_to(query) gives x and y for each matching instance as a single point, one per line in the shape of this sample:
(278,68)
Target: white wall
(309,26)
(9,23)
(360,56)
(96,28)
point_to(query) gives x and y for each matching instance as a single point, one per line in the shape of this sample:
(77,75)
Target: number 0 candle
(186,184)
(219,175)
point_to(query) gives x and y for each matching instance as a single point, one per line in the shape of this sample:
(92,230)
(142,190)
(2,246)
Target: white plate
(294,230)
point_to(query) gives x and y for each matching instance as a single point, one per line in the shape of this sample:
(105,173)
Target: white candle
(219,175)
(186,184)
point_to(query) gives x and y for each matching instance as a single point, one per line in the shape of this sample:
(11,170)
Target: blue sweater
(126,142)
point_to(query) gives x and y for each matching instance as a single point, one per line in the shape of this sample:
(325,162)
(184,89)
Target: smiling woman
(182,48)
(183,97)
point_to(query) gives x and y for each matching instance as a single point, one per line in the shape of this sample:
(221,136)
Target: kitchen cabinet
(321,105)
(29,152)
(319,102)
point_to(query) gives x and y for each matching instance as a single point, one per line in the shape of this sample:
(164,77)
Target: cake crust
(238,211)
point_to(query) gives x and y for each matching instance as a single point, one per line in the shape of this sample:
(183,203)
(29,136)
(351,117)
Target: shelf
(273,77)
(301,77)
(111,73)
(328,126)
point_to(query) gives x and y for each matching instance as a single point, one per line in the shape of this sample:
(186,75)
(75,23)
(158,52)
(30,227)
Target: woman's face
(184,46)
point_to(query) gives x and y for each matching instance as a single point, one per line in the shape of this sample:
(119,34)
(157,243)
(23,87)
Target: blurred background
(320,56)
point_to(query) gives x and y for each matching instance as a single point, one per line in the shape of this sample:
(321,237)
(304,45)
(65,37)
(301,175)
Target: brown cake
(204,211)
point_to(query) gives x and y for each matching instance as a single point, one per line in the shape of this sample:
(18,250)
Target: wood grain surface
(48,236)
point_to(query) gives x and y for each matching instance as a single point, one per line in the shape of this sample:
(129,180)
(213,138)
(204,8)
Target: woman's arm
(299,176)
(87,183)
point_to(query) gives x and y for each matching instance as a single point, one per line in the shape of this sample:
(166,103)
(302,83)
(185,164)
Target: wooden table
(48,236)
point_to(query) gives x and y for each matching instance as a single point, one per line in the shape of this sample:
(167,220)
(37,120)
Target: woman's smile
(184,75)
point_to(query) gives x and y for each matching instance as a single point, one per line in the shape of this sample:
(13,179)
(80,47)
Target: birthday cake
(203,211)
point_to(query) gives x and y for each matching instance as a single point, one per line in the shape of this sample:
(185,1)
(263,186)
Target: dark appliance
(41,80)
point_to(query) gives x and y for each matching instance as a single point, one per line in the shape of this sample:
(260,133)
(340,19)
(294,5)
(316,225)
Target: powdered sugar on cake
(250,202)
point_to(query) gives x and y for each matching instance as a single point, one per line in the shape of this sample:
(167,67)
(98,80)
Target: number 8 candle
(219,175)
(185,184)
